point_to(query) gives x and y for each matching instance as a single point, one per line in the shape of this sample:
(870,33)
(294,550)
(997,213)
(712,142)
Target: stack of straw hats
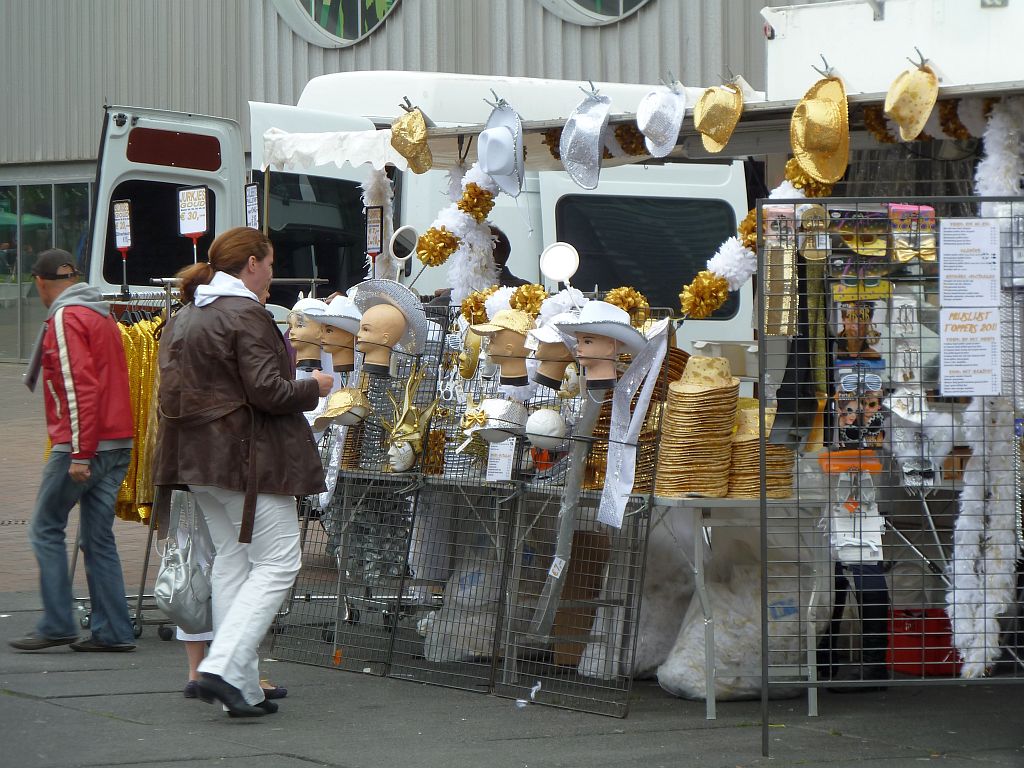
(745,469)
(696,433)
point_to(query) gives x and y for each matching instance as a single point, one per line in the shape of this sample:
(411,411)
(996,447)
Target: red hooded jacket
(85,377)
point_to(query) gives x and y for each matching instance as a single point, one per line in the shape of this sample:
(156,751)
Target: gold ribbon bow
(472,419)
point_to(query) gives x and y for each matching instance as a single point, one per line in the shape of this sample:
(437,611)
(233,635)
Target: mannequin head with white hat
(305,332)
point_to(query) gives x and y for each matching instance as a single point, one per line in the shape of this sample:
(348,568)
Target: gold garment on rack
(135,497)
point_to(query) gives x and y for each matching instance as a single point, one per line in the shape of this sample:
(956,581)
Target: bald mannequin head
(380,328)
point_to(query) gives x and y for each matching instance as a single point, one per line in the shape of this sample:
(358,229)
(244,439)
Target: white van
(651,226)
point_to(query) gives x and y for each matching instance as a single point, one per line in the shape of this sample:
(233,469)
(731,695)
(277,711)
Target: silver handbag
(182,590)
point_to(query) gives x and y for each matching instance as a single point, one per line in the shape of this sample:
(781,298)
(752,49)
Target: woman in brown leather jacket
(232,432)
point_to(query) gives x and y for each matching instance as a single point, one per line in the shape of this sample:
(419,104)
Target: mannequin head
(381,327)
(340,345)
(554,358)
(507,349)
(507,346)
(305,336)
(598,355)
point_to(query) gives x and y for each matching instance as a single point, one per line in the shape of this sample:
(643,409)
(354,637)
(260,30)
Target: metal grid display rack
(901,391)
(451,576)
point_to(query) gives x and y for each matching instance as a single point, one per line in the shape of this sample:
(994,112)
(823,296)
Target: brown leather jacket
(230,408)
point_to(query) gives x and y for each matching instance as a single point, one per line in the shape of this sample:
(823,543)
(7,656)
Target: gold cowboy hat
(409,138)
(715,115)
(348,405)
(819,131)
(910,100)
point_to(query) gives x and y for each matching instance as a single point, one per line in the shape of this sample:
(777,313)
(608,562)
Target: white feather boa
(377,191)
(471,267)
(983,567)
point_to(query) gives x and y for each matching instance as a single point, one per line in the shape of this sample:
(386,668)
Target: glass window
(157,248)
(592,12)
(317,227)
(10,288)
(334,22)
(71,204)
(654,244)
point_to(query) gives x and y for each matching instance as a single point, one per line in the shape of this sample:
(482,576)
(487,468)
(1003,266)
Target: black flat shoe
(35,642)
(215,688)
(267,706)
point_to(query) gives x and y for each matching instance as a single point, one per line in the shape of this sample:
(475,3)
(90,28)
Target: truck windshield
(316,225)
(654,244)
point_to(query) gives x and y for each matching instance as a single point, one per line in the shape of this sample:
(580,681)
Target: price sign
(192,219)
(252,206)
(123,224)
(374,229)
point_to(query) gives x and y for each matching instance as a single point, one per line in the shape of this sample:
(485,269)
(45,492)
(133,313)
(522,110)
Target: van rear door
(146,156)
(653,227)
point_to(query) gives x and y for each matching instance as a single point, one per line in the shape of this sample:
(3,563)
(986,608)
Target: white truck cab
(651,225)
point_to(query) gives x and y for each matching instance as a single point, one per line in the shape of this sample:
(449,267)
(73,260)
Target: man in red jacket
(89,421)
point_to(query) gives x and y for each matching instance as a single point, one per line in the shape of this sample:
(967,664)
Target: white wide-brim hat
(370,293)
(342,313)
(548,333)
(500,149)
(582,142)
(603,319)
(659,118)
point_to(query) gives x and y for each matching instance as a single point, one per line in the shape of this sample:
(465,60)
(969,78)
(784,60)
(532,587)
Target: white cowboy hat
(582,142)
(342,313)
(548,334)
(369,293)
(500,149)
(603,319)
(311,308)
(659,118)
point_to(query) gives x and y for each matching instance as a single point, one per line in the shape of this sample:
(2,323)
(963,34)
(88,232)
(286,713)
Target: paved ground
(61,708)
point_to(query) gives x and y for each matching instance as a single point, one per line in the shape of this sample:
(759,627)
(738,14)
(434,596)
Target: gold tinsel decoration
(631,300)
(476,201)
(552,139)
(949,119)
(630,139)
(874,122)
(433,455)
(747,230)
(808,185)
(704,295)
(472,306)
(528,298)
(435,246)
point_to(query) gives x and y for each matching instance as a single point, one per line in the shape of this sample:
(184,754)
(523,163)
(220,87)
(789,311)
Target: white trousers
(250,581)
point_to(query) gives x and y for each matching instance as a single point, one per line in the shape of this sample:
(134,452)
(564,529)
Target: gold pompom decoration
(949,119)
(476,201)
(631,300)
(874,123)
(472,306)
(528,298)
(435,246)
(808,185)
(630,139)
(704,295)
(552,139)
(747,230)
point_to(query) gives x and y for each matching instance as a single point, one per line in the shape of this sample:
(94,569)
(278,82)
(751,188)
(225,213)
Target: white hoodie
(222,284)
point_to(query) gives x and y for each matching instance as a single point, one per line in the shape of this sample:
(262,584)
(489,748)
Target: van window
(157,248)
(654,244)
(318,230)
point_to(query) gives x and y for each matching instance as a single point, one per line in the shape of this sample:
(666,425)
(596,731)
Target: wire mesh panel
(899,394)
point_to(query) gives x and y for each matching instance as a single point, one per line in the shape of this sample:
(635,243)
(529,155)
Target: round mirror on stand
(402,246)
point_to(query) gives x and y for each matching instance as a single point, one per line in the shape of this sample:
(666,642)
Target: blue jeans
(109,619)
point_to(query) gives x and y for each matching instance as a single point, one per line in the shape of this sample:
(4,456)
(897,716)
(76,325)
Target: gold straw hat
(705,374)
(748,423)
(348,405)
(819,131)
(716,114)
(506,320)
(910,100)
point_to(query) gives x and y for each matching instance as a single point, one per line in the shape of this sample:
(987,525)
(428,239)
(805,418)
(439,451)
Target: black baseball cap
(49,264)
